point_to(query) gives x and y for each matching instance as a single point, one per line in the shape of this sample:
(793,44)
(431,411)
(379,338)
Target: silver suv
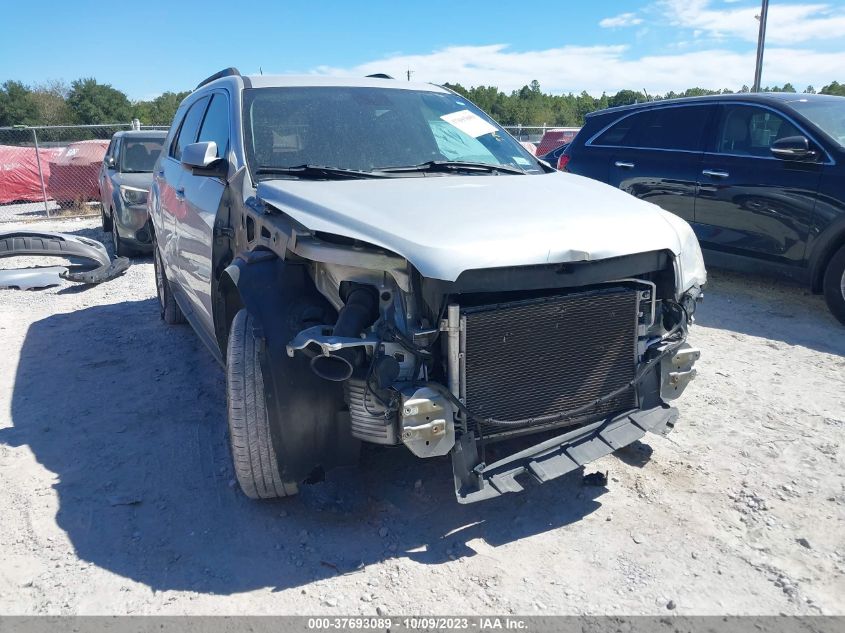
(124,181)
(379,261)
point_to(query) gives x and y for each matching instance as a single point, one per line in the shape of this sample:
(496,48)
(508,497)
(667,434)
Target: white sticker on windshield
(469,123)
(519,160)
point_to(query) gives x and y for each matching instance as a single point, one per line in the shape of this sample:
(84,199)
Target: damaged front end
(585,356)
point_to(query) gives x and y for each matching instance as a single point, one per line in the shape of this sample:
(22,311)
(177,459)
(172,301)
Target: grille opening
(542,356)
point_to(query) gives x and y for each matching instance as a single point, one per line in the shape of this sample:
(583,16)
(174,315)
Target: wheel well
(830,250)
(227,304)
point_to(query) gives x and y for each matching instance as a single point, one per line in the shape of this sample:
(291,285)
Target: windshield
(369,129)
(827,114)
(139,154)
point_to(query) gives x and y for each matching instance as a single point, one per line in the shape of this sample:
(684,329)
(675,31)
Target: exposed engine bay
(586,354)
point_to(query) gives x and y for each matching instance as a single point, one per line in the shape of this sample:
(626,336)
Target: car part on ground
(97,267)
(411,287)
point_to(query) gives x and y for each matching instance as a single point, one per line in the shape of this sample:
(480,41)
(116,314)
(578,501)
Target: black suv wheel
(834,284)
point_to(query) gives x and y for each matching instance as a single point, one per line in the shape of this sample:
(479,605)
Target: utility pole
(761,42)
(409,72)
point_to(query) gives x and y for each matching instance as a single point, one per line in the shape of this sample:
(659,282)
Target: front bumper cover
(476,481)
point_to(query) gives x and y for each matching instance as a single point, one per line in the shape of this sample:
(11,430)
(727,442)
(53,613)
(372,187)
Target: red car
(74,172)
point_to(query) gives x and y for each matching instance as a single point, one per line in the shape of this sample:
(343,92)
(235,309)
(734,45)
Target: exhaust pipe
(360,311)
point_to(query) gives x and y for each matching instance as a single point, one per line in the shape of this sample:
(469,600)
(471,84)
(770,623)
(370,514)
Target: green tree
(626,97)
(809,90)
(93,103)
(834,88)
(16,104)
(50,100)
(158,111)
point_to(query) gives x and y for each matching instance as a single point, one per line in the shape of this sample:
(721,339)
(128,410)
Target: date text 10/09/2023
(486,623)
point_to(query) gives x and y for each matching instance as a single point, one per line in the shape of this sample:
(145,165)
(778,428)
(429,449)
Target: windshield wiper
(317,172)
(445,166)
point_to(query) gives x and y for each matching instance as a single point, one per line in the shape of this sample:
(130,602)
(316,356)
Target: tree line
(531,106)
(86,101)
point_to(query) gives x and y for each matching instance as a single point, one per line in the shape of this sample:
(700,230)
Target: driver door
(751,203)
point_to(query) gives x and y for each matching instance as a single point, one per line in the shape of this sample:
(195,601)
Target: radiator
(538,357)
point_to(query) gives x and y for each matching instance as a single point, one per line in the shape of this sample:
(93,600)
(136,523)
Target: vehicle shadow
(130,416)
(779,310)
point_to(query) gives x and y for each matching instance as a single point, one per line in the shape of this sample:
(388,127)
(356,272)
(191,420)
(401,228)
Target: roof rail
(380,76)
(226,72)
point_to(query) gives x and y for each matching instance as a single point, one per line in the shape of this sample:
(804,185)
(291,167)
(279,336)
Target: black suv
(760,177)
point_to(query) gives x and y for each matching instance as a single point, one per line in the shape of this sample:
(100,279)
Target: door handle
(624,165)
(180,193)
(715,174)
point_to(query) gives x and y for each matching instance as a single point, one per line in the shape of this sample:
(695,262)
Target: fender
(308,421)
(824,246)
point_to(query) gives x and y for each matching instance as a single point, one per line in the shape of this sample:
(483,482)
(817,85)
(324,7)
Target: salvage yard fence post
(45,170)
(40,172)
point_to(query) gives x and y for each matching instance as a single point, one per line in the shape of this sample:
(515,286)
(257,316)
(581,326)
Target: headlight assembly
(133,195)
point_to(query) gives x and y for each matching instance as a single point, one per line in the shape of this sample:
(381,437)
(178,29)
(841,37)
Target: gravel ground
(117,493)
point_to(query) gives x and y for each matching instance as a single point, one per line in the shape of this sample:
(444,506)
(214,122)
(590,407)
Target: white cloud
(787,23)
(604,68)
(623,19)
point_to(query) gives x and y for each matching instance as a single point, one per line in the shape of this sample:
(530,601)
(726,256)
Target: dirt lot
(117,494)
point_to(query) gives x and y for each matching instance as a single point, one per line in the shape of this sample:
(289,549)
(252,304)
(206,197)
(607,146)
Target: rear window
(674,128)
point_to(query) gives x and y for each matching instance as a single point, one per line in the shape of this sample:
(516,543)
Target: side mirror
(793,148)
(110,162)
(200,155)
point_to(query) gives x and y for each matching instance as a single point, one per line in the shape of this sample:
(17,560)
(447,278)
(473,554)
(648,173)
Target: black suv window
(215,127)
(750,131)
(673,128)
(190,126)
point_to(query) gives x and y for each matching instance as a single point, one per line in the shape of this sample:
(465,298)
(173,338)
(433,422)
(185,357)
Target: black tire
(107,222)
(121,248)
(256,466)
(834,284)
(170,311)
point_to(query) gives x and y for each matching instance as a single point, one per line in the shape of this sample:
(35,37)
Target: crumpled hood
(445,225)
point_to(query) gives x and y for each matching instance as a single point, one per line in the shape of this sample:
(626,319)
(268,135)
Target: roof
(748,97)
(291,81)
(142,133)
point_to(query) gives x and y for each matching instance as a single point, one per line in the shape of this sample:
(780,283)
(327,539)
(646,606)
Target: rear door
(657,155)
(168,179)
(750,202)
(202,197)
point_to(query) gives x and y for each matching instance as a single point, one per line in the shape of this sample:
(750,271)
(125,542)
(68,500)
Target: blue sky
(657,45)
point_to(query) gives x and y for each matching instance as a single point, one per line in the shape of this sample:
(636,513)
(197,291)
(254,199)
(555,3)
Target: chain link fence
(53,170)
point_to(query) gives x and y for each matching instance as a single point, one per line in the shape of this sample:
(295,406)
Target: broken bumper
(96,264)
(477,481)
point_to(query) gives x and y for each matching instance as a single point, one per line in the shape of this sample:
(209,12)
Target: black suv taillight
(562,162)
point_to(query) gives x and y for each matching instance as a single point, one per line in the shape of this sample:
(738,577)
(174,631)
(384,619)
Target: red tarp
(554,139)
(73,173)
(19,172)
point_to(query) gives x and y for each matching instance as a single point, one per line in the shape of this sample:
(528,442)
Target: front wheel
(256,466)
(834,285)
(105,219)
(121,248)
